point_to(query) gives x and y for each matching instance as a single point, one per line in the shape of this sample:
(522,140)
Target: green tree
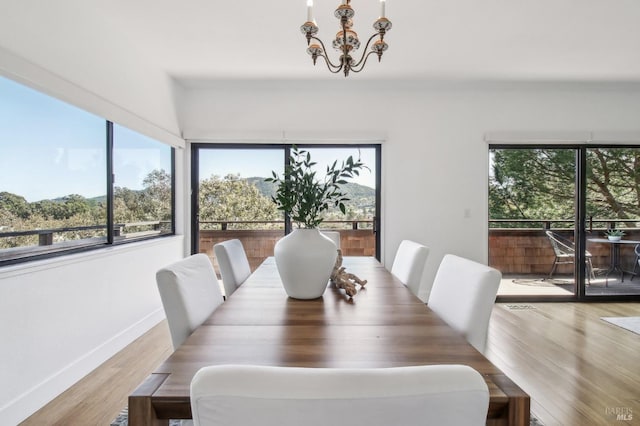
(156,196)
(151,203)
(67,207)
(233,199)
(540,183)
(48,209)
(127,205)
(613,188)
(14,206)
(75,205)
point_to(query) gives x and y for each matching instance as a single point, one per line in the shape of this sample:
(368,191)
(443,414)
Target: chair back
(333,236)
(408,265)
(233,263)
(234,395)
(190,293)
(561,246)
(463,295)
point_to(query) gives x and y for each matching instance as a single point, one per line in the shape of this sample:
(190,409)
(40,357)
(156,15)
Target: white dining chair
(190,293)
(408,264)
(463,295)
(233,263)
(241,395)
(333,236)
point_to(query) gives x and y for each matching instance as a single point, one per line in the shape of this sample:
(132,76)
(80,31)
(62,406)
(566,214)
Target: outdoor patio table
(614,256)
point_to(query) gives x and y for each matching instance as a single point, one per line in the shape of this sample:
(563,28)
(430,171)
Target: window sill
(36,265)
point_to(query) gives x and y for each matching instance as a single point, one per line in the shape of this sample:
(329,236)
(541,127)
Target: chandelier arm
(333,69)
(324,55)
(366,54)
(363,63)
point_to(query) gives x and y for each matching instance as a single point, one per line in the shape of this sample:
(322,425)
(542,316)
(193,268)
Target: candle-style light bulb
(382,7)
(309,10)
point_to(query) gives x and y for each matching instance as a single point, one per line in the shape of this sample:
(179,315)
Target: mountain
(353,190)
(268,189)
(360,197)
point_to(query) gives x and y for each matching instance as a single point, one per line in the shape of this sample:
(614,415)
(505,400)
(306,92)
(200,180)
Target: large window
(550,210)
(532,216)
(361,189)
(142,196)
(231,199)
(54,178)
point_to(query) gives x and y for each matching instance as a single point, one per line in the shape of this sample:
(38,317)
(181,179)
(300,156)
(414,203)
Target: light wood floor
(577,368)
(99,397)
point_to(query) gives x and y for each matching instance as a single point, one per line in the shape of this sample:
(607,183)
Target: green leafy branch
(303,195)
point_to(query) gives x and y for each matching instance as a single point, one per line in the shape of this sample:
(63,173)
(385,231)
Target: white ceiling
(200,40)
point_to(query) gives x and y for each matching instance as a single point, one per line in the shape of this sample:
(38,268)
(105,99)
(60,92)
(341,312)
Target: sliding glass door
(532,220)
(358,227)
(613,204)
(230,198)
(550,208)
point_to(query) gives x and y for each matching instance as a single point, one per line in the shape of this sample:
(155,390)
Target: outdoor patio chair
(564,251)
(636,264)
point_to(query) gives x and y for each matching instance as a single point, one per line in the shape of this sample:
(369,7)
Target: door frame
(286,148)
(580,228)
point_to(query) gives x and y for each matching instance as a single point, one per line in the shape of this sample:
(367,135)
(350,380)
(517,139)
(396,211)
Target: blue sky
(260,162)
(49,148)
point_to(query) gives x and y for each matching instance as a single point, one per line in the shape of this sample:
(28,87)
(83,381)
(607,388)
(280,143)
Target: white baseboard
(23,406)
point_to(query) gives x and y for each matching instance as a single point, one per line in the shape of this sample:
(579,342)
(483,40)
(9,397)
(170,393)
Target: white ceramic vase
(305,259)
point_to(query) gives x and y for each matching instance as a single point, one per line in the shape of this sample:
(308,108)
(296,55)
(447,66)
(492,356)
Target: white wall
(63,317)
(434,159)
(133,95)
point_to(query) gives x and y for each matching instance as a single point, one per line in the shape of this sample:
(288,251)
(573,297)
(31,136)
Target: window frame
(285,147)
(579,225)
(111,193)
(35,253)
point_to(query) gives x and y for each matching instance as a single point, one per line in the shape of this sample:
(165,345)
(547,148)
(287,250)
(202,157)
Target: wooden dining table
(383,325)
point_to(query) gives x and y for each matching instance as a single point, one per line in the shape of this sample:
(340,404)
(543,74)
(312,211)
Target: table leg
(615,264)
(141,411)
(519,409)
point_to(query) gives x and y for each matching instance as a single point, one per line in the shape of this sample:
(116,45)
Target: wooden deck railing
(515,246)
(46,236)
(522,247)
(356,237)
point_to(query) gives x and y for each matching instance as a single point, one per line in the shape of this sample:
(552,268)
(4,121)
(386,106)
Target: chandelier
(346,41)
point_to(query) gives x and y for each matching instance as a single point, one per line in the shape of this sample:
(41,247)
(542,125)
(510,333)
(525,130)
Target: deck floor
(531,285)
